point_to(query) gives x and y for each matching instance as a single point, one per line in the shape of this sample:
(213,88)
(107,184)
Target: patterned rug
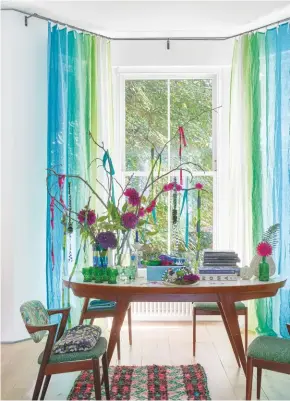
(185,382)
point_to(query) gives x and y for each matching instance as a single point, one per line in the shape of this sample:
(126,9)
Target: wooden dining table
(141,290)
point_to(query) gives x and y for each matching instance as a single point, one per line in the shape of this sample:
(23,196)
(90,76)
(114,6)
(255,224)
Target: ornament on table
(166,260)
(246,272)
(182,276)
(270,237)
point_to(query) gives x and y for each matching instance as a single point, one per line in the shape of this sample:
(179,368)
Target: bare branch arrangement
(112,227)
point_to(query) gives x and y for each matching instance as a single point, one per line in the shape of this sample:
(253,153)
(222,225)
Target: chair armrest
(288,327)
(65,314)
(56,311)
(46,327)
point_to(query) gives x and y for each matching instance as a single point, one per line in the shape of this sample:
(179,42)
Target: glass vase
(264,271)
(100,257)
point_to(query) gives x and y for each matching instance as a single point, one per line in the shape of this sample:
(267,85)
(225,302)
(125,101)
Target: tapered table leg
(228,306)
(121,310)
(229,334)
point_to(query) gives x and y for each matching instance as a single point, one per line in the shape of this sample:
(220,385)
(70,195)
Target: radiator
(162,311)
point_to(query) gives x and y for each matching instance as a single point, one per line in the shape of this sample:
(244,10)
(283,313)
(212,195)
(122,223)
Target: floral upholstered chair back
(35,314)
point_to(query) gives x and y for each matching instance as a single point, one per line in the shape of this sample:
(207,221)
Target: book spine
(218,271)
(218,277)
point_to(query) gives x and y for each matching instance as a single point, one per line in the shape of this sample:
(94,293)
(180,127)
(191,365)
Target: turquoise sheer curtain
(277,155)
(72,113)
(260,141)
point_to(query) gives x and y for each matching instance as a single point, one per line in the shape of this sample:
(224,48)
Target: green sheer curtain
(260,159)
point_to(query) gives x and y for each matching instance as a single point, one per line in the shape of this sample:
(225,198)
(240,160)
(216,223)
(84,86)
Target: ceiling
(160,18)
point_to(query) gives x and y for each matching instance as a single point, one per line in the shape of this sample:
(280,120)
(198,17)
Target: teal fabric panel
(270,348)
(213,306)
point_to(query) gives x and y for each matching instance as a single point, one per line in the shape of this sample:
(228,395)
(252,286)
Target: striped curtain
(79,102)
(260,160)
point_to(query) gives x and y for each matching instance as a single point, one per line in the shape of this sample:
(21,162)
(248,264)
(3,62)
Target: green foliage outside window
(154,111)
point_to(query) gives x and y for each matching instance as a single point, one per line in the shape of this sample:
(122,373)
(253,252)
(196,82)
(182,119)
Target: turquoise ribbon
(111,171)
(185,203)
(154,215)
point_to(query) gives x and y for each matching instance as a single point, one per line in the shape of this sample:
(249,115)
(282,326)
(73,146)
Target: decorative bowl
(182,276)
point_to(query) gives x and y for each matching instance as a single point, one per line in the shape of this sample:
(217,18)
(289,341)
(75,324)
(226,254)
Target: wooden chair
(212,309)
(270,353)
(95,309)
(36,319)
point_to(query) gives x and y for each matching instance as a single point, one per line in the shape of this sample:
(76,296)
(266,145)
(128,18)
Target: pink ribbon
(182,141)
(52,212)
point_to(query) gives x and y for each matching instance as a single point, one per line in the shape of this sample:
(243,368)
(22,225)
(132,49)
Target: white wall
(181,53)
(23,163)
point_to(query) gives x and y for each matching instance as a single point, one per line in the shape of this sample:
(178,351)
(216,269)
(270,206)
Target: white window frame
(121,74)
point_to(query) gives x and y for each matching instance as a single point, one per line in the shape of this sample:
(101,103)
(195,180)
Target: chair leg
(119,348)
(259,382)
(92,321)
(84,309)
(106,375)
(97,379)
(130,324)
(246,330)
(38,384)
(193,329)
(44,389)
(249,379)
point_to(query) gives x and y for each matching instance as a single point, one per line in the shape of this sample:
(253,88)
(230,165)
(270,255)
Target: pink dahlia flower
(87,215)
(149,209)
(264,249)
(129,220)
(198,185)
(133,196)
(168,187)
(178,187)
(141,212)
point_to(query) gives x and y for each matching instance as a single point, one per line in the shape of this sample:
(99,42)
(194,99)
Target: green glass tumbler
(130,272)
(98,275)
(87,273)
(264,270)
(112,275)
(94,272)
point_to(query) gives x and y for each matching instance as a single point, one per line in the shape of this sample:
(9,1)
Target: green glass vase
(87,273)
(264,270)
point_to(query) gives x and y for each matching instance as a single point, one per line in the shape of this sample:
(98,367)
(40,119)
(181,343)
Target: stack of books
(219,266)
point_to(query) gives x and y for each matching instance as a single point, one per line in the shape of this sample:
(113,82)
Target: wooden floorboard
(153,343)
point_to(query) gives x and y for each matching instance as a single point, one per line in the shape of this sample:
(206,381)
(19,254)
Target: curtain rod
(168,39)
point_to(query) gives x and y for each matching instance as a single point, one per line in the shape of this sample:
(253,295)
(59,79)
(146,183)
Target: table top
(142,286)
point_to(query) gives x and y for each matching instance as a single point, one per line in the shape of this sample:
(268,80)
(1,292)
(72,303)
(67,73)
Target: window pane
(190,107)
(178,238)
(146,116)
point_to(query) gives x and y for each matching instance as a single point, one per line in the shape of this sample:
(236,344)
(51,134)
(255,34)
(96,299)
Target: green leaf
(124,207)
(272,235)
(141,222)
(102,218)
(151,233)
